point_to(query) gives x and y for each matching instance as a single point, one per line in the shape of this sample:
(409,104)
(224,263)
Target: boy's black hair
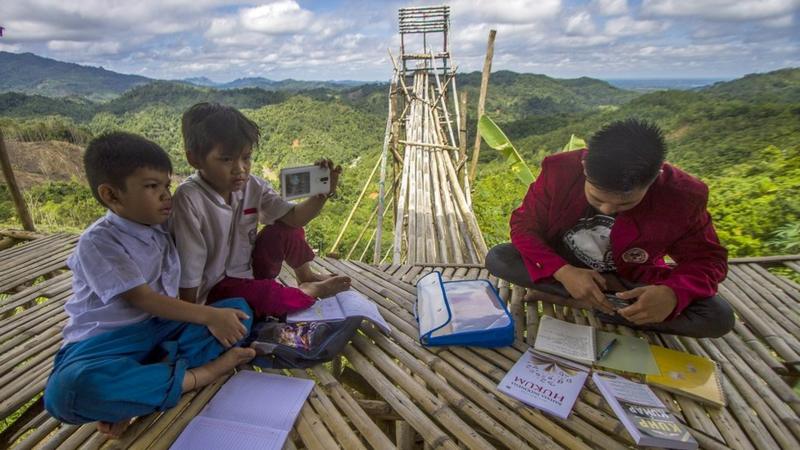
(207,125)
(625,155)
(111,158)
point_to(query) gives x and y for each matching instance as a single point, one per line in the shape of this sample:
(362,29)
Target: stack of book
(551,375)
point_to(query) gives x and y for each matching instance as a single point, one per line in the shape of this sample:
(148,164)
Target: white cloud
(611,7)
(580,24)
(282,17)
(226,39)
(626,26)
(86,48)
(10,48)
(724,10)
(779,22)
(506,12)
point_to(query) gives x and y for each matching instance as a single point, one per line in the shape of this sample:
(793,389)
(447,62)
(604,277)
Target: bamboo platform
(391,392)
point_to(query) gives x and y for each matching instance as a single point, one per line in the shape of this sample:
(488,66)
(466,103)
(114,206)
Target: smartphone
(305,181)
(616,302)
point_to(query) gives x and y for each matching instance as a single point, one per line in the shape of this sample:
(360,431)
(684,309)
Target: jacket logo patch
(249,211)
(635,255)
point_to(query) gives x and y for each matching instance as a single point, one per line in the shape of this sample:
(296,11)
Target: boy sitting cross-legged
(130,346)
(218,210)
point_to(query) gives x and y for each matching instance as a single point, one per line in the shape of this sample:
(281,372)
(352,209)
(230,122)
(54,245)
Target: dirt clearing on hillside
(38,162)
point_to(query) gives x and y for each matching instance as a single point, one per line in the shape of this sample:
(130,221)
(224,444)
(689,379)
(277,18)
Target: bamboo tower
(434,222)
(425,138)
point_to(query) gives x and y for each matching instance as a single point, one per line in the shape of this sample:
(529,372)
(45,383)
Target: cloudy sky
(348,39)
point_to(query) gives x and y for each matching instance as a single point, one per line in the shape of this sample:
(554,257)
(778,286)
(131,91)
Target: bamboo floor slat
(442,397)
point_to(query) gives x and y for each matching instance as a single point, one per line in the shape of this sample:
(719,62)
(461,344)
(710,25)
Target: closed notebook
(687,374)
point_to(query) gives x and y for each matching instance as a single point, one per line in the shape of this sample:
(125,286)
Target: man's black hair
(113,157)
(625,155)
(207,125)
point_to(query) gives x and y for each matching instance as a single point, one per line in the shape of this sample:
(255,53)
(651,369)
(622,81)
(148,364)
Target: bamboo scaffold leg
(355,206)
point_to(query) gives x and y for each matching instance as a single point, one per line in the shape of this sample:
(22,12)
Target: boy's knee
(280,233)
(63,388)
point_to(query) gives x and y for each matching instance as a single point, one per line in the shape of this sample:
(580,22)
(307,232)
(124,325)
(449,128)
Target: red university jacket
(671,220)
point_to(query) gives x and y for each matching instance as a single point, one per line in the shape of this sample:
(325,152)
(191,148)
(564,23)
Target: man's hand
(653,304)
(335,172)
(225,325)
(586,285)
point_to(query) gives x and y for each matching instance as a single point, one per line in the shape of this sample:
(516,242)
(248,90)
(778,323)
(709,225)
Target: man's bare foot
(207,373)
(113,430)
(327,287)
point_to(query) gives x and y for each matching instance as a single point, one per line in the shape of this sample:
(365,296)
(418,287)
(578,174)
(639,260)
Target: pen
(606,350)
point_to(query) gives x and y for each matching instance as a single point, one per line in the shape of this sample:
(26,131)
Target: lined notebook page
(260,399)
(252,410)
(206,433)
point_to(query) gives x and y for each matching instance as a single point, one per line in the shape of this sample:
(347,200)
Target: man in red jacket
(601,220)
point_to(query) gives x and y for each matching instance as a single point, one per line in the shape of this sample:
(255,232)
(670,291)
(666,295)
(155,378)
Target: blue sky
(349,39)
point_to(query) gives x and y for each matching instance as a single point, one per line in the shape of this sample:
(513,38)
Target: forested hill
(35,75)
(31,74)
(780,86)
(741,137)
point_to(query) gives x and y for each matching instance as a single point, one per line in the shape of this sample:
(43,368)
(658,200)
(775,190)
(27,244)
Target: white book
(545,382)
(642,413)
(252,410)
(345,304)
(565,339)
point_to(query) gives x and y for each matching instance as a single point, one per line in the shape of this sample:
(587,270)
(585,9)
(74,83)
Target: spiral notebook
(686,374)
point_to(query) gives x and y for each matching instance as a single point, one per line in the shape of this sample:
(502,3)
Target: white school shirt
(215,239)
(113,256)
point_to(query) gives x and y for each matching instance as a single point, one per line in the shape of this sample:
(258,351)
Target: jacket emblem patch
(635,255)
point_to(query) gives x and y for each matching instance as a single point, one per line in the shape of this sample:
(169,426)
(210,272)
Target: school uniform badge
(635,255)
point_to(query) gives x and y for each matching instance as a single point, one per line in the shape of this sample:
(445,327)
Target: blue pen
(606,350)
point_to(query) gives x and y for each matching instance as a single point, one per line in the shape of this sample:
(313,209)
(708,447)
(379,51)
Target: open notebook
(345,304)
(252,410)
(582,343)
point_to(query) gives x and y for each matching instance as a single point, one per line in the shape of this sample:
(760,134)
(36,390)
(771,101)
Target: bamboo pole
(487,69)
(13,187)
(341,397)
(362,232)
(389,119)
(400,204)
(462,135)
(353,210)
(372,236)
(401,403)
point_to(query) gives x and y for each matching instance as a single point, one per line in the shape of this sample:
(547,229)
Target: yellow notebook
(687,374)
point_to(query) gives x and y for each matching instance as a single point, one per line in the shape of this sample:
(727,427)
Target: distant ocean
(654,84)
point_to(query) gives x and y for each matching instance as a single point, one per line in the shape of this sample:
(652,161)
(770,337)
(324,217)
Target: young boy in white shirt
(130,346)
(218,210)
